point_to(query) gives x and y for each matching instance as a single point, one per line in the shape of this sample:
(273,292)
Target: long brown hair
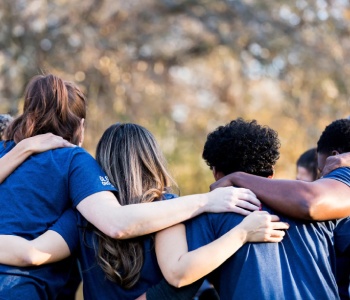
(50,105)
(132,160)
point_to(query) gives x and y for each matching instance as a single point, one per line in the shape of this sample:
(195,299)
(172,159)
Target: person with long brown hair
(126,268)
(39,191)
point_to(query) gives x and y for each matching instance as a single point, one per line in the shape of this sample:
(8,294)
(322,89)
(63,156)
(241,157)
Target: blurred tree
(183,67)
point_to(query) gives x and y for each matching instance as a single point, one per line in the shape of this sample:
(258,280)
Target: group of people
(135,239)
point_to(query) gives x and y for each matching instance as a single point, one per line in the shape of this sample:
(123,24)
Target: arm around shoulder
(17,251)
(26,148)
(323,199)
(128,221)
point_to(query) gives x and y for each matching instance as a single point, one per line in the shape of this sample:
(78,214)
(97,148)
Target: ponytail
(50,105)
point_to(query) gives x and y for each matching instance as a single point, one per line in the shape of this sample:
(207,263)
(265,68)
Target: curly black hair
(242,146)
(336,136)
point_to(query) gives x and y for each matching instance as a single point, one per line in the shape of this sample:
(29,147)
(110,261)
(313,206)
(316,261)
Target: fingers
(275,236)
(280,225)
(274,239)
(241,211)
(56,141)
(249,196)
(247,205)
(277,233)
(274,218)
(68,144)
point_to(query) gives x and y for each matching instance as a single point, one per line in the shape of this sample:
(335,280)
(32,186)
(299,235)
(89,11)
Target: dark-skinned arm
(323,199)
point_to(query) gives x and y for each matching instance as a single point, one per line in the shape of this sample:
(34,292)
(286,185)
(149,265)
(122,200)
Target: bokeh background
(183,67)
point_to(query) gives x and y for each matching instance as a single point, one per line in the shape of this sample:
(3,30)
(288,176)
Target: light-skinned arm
(123,222)
(181,267)
(25,148)
(323,199)
(47,248)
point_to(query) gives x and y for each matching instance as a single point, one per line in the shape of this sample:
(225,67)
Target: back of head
(50,105)
(132,160)
(336,136)
(5,121)
(242,146)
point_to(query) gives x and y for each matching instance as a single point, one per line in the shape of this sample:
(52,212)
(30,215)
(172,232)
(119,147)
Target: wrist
(241,233)
(204,203)
(23,148)
(235,177)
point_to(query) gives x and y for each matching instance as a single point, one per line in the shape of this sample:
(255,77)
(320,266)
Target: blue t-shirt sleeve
(66,226)
(86,177)
(341,174)
(168,196)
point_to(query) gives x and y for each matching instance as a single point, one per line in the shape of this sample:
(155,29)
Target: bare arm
(181,267)
(323,199)
(123,222)
(27,147)
(103,211)
(47,248)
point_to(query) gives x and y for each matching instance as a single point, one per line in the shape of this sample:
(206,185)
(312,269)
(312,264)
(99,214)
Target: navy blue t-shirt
(96,286)
(32,199)
(341,240)
(302,266)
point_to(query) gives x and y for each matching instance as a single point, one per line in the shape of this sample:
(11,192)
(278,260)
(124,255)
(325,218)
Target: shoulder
(341,174)
(76,156)
(71,151)
(6,146)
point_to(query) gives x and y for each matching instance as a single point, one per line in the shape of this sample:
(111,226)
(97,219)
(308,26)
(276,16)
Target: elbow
(309,209)
(180,283)
(30,259)
(26,261)
(116,233)
(315,211)
(176,280)
(34,257)
(119,232)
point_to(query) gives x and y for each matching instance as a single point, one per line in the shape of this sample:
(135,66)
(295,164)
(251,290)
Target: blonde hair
(132,160)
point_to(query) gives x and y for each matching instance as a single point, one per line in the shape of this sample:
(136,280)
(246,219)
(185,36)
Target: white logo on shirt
(105,180)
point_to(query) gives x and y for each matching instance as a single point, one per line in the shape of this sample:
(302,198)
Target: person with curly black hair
(242,146)
(324,199)
(335,139)
(327,198)
(256,271)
